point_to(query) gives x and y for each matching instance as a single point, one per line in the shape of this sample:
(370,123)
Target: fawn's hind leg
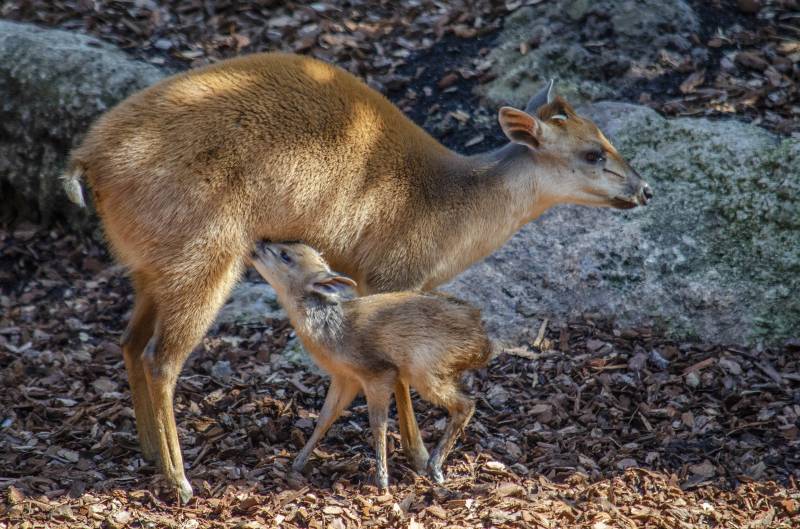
(379,395)
(188,301)
(134,340)
(341,393)
(410,438)
(460,407)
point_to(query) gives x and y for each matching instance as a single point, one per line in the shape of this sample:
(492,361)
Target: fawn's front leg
(340,395)
(410,438)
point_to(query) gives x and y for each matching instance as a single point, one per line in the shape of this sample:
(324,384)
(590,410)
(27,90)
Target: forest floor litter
(595,426)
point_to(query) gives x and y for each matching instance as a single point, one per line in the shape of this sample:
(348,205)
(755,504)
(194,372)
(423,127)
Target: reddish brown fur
(425,340)
(577,128)
(188,173)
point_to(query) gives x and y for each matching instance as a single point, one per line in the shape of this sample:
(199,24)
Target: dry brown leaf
(690,84)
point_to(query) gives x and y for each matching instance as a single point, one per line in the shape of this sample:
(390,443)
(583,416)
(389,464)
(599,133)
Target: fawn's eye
(285,257)
(594,157)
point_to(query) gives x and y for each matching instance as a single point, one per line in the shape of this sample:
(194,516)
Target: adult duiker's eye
(285,257)
(594,157)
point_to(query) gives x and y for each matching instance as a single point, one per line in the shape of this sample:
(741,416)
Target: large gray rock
(52,85)
(251,302)
(716,256)
(595,48)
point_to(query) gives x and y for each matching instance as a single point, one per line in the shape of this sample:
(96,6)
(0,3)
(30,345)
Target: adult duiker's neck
(481,201)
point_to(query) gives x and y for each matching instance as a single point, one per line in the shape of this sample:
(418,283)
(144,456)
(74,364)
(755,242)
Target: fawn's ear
(520,127)
(334,288)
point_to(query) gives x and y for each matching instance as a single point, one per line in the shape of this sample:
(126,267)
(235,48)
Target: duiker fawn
(370,343)
(187,174)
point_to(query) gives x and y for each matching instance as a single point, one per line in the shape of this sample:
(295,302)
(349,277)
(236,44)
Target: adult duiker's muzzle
(645,194)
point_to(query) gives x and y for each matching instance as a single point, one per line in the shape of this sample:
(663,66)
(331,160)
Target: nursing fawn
(370,343)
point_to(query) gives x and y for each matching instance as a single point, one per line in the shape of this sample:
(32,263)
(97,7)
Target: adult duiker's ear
(520,127)
(334,288)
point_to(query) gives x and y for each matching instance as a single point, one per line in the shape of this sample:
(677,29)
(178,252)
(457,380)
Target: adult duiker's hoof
(184,490)
(381,481)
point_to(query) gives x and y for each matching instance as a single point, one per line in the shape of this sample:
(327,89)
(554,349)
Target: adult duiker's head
(583,166)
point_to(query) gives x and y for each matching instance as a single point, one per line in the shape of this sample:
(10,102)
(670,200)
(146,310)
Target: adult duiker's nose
(645,193)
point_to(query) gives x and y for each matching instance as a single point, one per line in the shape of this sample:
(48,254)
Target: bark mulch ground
(591,426)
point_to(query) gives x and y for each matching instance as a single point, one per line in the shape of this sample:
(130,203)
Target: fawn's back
(412,333)
(414,327)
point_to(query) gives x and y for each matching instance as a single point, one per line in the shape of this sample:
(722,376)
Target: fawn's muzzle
(260,248)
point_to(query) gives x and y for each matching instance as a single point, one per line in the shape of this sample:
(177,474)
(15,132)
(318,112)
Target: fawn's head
(296,271)
(582,165)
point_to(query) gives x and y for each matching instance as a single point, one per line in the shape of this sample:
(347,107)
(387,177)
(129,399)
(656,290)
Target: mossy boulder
(595,49)
(53,84)
(715,256)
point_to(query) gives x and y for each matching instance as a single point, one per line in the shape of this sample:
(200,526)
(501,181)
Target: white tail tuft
(71,181)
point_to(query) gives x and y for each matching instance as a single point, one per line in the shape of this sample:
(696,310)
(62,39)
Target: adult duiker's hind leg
(134,340)
(187,304)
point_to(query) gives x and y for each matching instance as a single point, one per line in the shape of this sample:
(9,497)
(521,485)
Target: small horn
(544,96)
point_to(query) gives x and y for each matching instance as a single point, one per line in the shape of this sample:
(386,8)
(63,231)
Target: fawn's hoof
(296,480)
(435,473)
(184,490)
(298,465)
(418,459)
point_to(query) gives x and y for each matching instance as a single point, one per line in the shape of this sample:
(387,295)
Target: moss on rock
(733,188)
